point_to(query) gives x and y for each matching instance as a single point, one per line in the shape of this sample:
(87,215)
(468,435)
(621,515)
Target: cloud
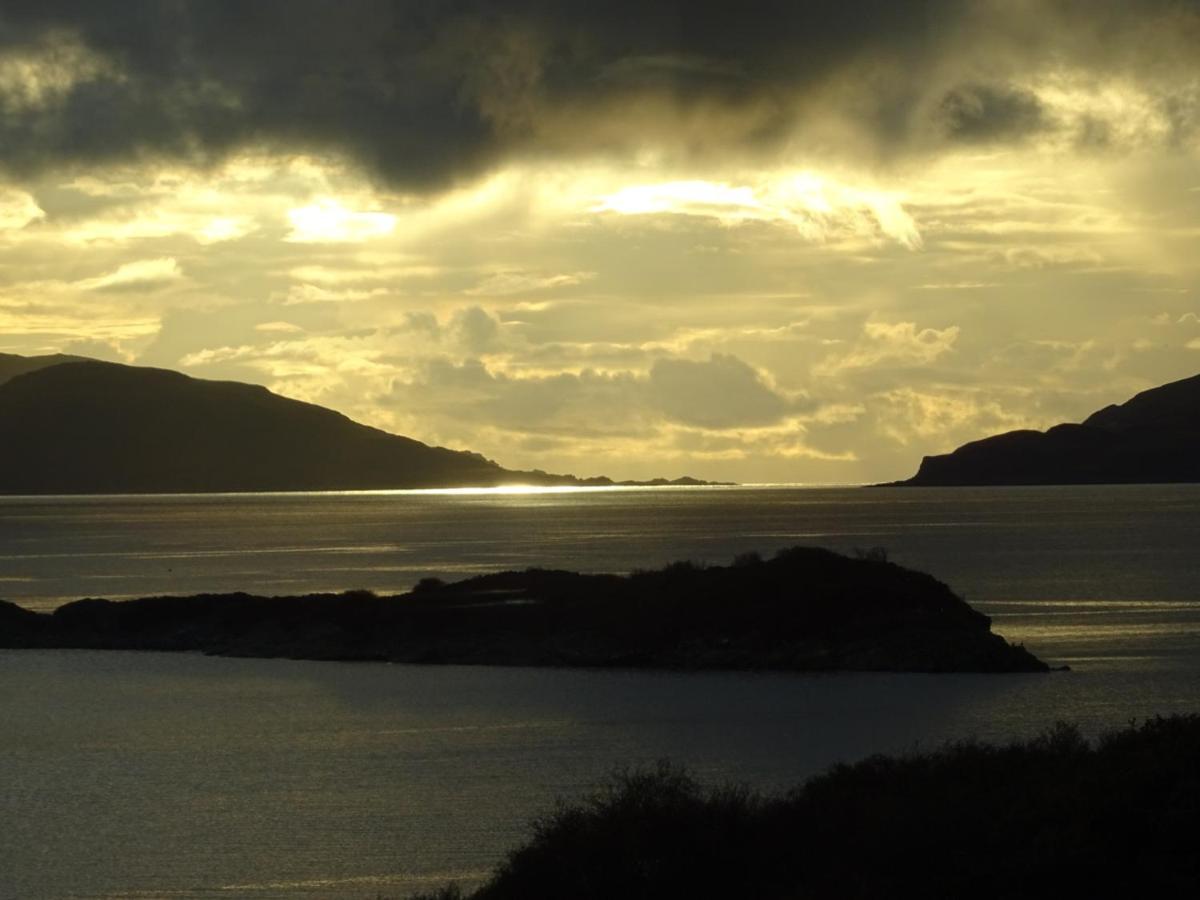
(328,221)
(981,113)
(210,334)
(424,95)
(819,208)
(46,69)
(17,209)
(894,343)
(475,329)
(142,275)
(500,284)
(278,327)
(617,237)
(718,394)
(583,404)
(948,416)
(722,392)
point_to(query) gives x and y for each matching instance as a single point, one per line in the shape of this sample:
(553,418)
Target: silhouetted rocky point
(70,426)
(806,610)
(1153,438)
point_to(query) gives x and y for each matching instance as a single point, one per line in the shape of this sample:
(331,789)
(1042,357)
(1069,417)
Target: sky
(762,242)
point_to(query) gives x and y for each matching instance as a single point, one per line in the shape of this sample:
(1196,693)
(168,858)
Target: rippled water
(149,775)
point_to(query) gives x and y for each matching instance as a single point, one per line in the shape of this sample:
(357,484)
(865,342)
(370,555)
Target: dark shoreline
(806,610)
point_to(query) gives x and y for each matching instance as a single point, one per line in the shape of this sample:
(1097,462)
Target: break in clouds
(763,241)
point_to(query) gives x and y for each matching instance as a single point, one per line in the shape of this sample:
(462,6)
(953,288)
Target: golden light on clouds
(817,207)
(44,72)
(224,228)
(327,220)
(17,209)
(142,272)
(811,252)
(718,200)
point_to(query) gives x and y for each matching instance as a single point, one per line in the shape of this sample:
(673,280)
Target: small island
(806,609)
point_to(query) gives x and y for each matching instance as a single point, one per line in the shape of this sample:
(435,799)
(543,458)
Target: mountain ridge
(1154,437)
(91,427)
(12,365)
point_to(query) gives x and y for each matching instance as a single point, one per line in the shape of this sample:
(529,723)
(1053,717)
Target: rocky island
(1154,438)
(806,609)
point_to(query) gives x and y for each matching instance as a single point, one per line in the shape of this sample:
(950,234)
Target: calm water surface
(149,775)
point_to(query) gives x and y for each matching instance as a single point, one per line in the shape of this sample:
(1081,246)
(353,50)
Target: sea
(146,775)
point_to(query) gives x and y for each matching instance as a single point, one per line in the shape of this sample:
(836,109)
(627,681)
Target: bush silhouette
(1052,817)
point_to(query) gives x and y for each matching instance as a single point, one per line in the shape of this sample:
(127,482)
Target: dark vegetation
(1054,817)
(807,609)
(71,426)
(1153,438)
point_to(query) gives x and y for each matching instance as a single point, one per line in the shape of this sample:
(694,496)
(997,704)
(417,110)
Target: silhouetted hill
(94,427)
(1045,819)
(806,609)
(11,366)
(1153,438)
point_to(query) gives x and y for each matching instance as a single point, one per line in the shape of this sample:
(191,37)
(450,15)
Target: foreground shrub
(1050,817)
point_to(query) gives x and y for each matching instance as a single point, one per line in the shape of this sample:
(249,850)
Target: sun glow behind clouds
(224,228)
(696,197)
(17,209)
(820,208)
(300,274)
(328,221)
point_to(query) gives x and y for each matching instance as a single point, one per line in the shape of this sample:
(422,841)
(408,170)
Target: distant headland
(1152,438)
(76,426)
(806,609)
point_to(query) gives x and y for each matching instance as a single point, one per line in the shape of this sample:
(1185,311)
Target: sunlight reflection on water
(147,775)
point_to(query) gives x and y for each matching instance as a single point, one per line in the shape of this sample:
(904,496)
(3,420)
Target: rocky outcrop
(805,610)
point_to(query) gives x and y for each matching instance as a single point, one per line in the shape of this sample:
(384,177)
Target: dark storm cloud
(984,113)
(422,93)
(197,79)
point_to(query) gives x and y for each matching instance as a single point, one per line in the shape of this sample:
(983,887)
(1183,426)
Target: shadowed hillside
(806,609)
(1153,438)
(11,365)
(1053,817)
(102,428)
(93,427)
